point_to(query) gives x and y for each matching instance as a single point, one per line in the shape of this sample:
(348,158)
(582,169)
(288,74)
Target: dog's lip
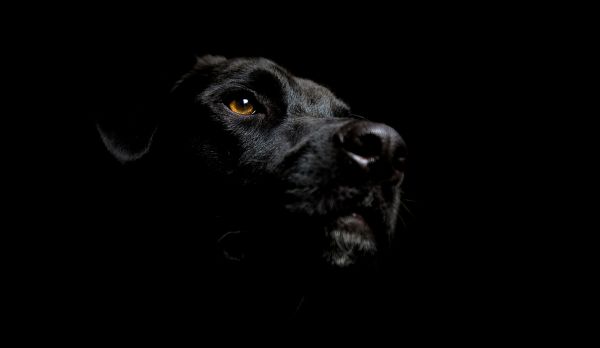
(353,221)
(354,217)
(360,214)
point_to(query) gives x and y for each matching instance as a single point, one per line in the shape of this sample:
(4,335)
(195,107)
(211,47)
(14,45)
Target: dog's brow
(269,77)
(266,82)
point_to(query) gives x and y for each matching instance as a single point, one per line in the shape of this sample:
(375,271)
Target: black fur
(282,159)
(276,189)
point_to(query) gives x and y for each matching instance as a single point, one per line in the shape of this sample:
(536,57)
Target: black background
(453,85)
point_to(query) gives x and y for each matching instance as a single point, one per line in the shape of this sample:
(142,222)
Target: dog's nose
(375,147)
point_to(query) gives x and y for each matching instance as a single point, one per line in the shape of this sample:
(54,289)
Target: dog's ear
(128,135)
(184,89)
(202,63)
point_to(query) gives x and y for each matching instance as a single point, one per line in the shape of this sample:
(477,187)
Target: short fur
(278,178)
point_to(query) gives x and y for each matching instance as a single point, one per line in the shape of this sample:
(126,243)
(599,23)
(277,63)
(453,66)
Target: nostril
(375,147)
(367,145)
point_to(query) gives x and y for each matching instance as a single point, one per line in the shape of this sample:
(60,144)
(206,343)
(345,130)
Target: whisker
(358,116)
(405,207)
(298,306)
(404,226)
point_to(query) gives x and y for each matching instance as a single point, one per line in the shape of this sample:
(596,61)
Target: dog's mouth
(349,225)
(339,233)
(350,237)
(314,214)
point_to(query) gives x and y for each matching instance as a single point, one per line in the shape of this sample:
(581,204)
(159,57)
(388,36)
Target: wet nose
(374,147)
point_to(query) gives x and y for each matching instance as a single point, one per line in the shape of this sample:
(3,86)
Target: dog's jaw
(350,237)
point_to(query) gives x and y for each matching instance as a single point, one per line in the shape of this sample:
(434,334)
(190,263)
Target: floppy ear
(202,63)
(128,136)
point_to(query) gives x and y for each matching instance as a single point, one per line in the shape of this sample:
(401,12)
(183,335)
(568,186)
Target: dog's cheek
(208,158)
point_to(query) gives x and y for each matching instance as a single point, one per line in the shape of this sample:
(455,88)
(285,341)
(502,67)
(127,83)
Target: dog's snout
(373,146)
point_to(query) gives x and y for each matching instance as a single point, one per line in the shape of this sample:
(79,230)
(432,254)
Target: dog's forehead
(313,90)
(254,66)
(302,96)
(310,98)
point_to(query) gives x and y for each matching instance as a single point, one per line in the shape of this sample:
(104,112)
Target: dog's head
(284,162)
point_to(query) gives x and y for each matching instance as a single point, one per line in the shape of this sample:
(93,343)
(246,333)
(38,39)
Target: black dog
(273,169)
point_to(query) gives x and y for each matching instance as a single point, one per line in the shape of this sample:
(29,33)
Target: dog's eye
(242,106)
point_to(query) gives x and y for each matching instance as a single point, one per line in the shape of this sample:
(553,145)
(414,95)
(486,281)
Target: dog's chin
(351,240)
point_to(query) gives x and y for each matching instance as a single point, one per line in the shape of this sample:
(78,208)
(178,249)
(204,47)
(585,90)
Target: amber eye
(242,106)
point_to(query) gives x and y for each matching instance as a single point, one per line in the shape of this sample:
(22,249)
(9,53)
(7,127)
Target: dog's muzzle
(375,148)
(347,178)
